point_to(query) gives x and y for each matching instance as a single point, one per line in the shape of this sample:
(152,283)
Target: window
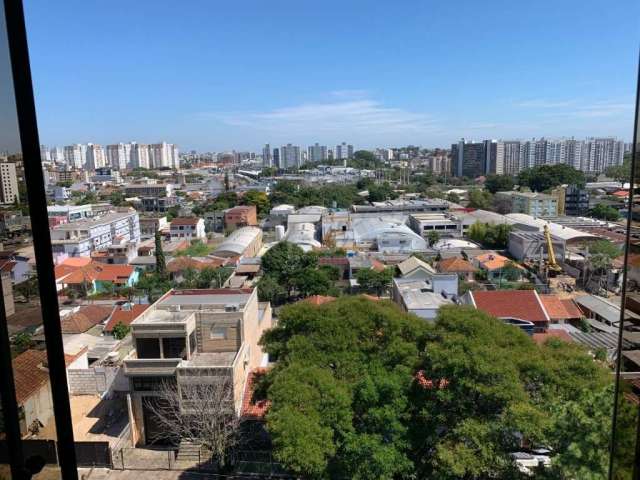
(218,333)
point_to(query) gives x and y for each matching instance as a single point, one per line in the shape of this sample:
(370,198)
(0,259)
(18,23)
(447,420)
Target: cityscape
(319,241)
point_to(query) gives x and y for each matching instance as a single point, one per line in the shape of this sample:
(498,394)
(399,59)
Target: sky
(217,75)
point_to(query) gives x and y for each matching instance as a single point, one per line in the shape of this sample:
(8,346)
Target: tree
(364,159)
(433,238)
(28,288)
(285,261)
(259,199)
(161,264)
(490,235)
(480,199)
(453,197)
(373,281)
(620,173)
(116,198)
(22,341)
(545,177)
(382,192)
(202,412)
(499,183)
(312,281)
(213,277)
(605,212)
(270,290)
(120,330)
(227,187)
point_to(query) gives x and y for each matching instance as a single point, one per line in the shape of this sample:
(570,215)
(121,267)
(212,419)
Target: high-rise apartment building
(343,151)
(8,183)
(473,159)
(508,157)
(276,158)
(317,153)
(45,155)
(118,155)
(290,156)
(161,155)
(75,155)
(140,155)
(600,153)
(95,157)
(267,158)
(56,154)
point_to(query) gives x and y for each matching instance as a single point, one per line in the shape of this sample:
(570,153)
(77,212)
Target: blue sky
(216,75)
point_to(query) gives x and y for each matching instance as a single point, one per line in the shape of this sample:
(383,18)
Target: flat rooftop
(209,359)
(89,223)
(207,297)
(162,316)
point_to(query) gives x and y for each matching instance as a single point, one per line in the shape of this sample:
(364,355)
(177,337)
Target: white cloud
(355,116)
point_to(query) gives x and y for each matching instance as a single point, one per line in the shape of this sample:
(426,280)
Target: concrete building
(189,228)
(95,157)
(140,155)
(163,155)
(343,151)
(471,159)
(150,225)
(290,156)
(276,158)
(443,224)
(267,156)
(244,242)
(421,297)
(193,337)
(508,157)
(303,235)
(81,237)
(8,183)
(75,155)
(240,216)
(530,203)
(149,189)
(118,155)
(317,153)
(601,153)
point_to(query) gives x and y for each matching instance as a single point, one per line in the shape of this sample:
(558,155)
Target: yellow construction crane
(552,265)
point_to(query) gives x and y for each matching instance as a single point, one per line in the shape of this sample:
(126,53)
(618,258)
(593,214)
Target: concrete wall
(97,381)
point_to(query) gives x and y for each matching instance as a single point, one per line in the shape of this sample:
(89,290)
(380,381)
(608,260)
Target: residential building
(189,228)
(158,204)
(495,267)
(6,270)
(458,266)
(148,189)
(317,153)
(140,155)
(240,216)
(94,277)
(95,157)
(193,337)
(75,155)
(521,308)
(81,237)
(17,264)
(343,151)
(119,155)
(531,203)
(163,155)
(33,391)
(150,225)
(418,297)
(267,156)
(470,159)
(508,157)
(290,156)
(601,153)
(443,224)
(415,269)
(276,158)
(118,253)
(243,242)
(8,183)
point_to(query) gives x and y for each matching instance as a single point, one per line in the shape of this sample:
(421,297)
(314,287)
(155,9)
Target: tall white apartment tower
(75,156)
(160,155)
(290,156)
(139,155)
(344,151)
(95,157)
(8,183)
(117,156)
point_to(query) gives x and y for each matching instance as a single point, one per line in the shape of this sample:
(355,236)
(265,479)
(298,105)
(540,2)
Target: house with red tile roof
(33,392)
(458,265)
(94,277)
(495,266)
(522,308)
(252,408)
(124,314)
(561,310)
(85,318)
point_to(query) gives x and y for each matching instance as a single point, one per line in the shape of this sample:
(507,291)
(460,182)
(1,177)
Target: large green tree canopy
(363,390)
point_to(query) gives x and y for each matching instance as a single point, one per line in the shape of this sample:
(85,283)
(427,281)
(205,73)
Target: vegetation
(605,212)
(433,238)
(161,264)
(544,177)
(22,342)
(373,281)
(120,330)
(480,199)
(363,390)
(363,159)
(259,199)
(208,277)
(499,183)
(620,173)
(490,235)
(196,249)
(289,192)
(381,192)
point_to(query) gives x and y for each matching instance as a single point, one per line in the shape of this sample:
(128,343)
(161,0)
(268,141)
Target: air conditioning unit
(232,307)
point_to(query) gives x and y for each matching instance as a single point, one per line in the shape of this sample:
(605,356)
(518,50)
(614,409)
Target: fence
(248,464)
(93,454)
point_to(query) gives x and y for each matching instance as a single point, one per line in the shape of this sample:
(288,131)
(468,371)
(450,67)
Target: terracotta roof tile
(559,309)
(95,271)
(185,221)
(456,265)
(85,318)
(255,410)
(520,304)
(124,316)
(30,373)
(318,299)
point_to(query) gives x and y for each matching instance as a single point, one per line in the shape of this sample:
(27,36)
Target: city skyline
(301,82)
